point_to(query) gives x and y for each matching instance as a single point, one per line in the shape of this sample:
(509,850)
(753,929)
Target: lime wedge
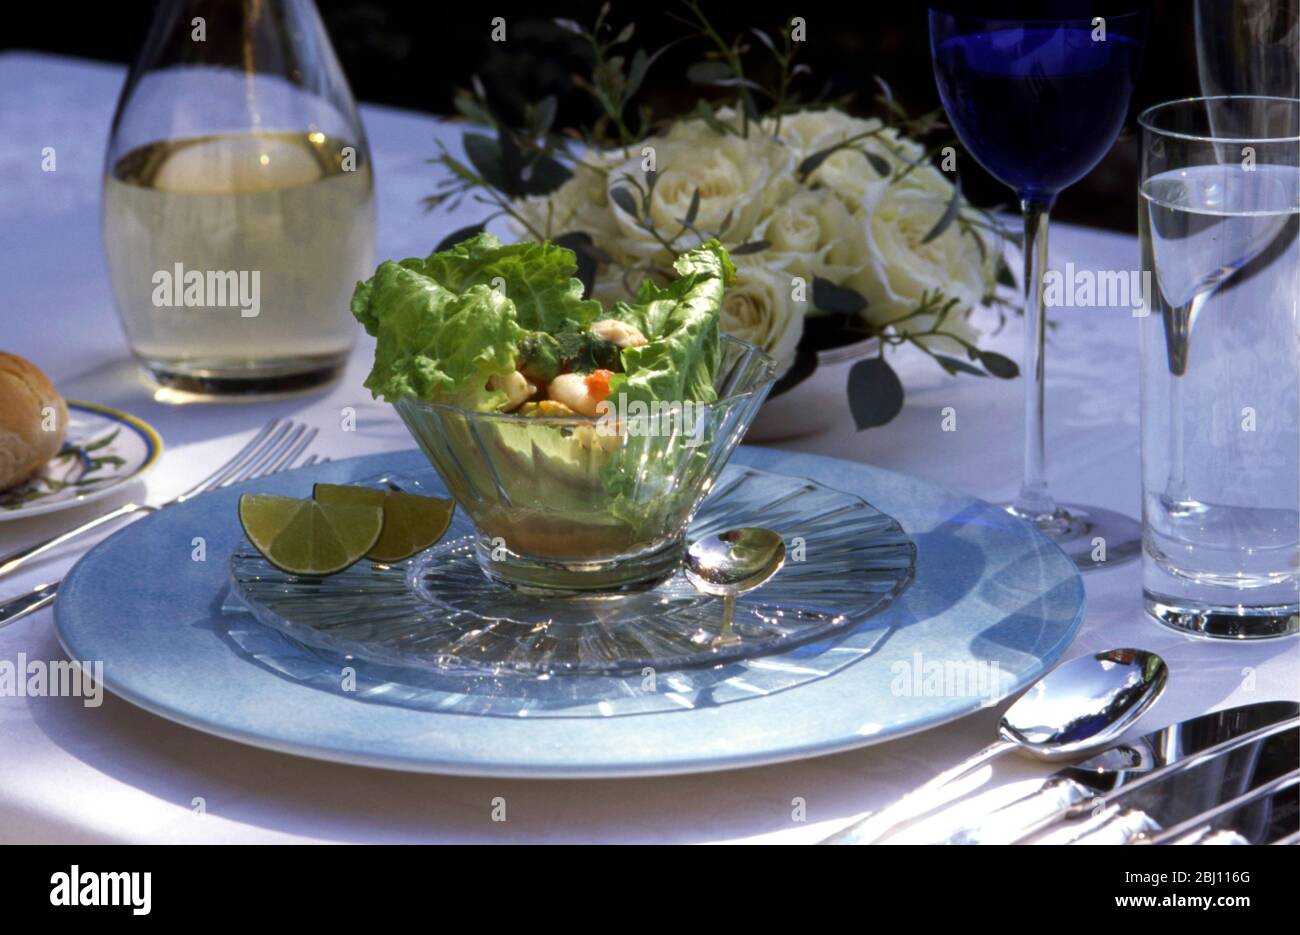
(304,537)
(411,523)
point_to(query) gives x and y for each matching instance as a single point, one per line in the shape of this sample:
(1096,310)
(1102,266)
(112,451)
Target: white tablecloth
(115,773)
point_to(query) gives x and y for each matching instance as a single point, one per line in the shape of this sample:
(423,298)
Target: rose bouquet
(842,228)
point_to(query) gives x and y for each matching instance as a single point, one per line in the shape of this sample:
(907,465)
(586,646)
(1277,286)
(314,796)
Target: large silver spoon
(1078,707)
(727,564)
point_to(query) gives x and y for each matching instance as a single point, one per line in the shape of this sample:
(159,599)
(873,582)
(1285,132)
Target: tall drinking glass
(1220,345)
(1248,47)
(1038,100)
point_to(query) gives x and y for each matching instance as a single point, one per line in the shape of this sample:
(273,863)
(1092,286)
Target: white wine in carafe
(233,257)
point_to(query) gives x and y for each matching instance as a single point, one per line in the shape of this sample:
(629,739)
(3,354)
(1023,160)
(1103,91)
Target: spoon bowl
(727,564)
(1083,705)
(734,561)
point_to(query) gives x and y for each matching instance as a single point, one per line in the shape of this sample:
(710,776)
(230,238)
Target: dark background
(415,54)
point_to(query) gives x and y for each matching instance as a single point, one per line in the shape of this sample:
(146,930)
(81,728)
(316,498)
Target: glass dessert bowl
(598,506)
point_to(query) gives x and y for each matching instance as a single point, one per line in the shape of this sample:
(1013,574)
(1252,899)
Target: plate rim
(152,439)
(647,769)
(642,766)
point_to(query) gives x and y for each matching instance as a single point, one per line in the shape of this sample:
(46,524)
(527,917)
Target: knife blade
(1240,785)
(1083,787)
(24,604)
(1265,813)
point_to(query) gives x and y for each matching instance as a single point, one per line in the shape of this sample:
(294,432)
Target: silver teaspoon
(727,564)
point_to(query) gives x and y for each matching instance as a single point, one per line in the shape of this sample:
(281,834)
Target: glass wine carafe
(238,199)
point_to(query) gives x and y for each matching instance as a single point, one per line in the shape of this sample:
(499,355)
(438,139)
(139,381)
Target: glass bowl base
(567,578)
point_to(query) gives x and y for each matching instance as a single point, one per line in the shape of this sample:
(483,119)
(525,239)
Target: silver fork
(276,447)
(273,448)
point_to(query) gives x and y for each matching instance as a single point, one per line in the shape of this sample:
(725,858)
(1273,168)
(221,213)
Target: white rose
(738,179)
(848,172)
(759,308)
(900,269)
(813,234)
(807,131)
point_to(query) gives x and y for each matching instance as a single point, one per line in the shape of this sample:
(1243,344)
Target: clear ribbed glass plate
(438,613)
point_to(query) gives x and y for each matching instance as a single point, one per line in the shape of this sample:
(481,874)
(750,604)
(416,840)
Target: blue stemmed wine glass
(1038,99)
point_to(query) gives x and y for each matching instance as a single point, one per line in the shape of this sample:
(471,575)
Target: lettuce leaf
(537,277)
(433,343)
(680,322)
(679,363)
(445,324)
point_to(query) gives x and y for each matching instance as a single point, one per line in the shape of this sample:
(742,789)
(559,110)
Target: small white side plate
(104,449)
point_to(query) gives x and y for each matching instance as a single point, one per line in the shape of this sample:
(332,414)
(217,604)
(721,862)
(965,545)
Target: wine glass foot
(1093,538)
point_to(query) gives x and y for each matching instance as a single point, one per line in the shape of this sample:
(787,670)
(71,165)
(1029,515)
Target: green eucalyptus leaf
(829,297)
(736,82)
(470,109)
(693,211)
(886,97)
(708,72)
(544,176)
(764,38)
(1002,367)
(705,113)
(954,366)
(637,70)
(484,154)
(625,200)
(879,163)
(512,161)
(875,393)
(545,113)
(812,162)
(949,215)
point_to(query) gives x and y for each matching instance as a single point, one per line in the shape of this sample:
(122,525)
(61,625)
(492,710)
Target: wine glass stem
(1034,501)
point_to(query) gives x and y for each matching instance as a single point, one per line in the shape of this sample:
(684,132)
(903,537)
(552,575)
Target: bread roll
(33,420)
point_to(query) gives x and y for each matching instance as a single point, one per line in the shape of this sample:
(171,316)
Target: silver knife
(24,604)
(1261,815)
(1237,790)
(1077,789)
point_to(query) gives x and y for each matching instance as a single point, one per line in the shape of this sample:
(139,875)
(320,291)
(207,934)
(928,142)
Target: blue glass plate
(437,612)
(992,605)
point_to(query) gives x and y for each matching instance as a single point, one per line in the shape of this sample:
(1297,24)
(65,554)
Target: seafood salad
(505,375)
(504,328)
